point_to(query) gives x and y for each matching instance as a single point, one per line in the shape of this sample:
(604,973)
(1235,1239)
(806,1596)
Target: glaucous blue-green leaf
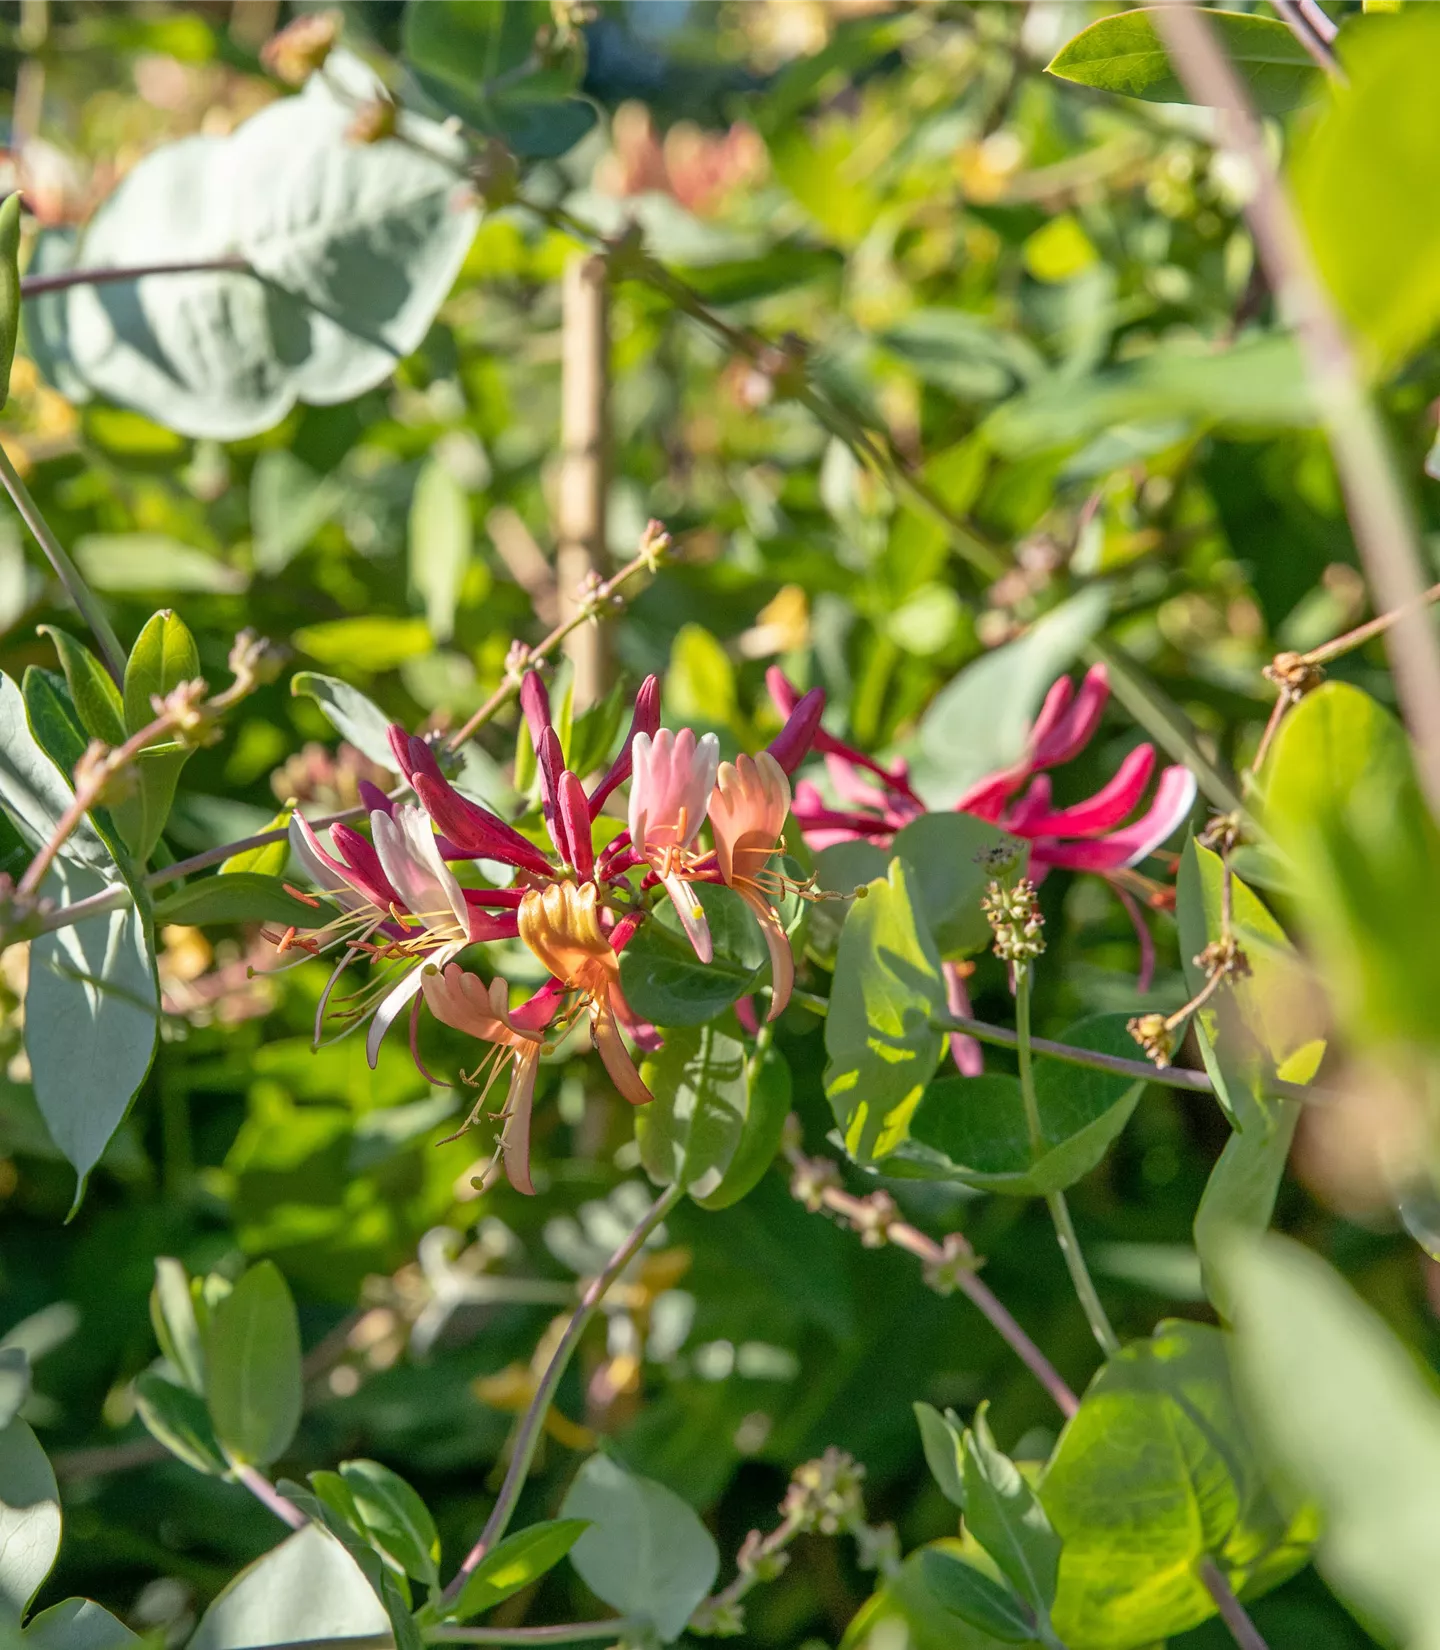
(441,541)
(881,1042)
(973,1129)
(77,1624)
(252,1359)
(1343,803)
(307,1588)
(841,869)
(979,721)
(242,896)
(1159,1428)
(14,1382)
(1345,1414)
(718,1112)
(518,1561)
(331,1504)
(666,983)
(91,1017)
(1127,54)
(29,1516)
(1004,1515)
(940,1437)
(177,1418)
(395,1518)
(351,248)
(646,1552)
(961,1586)
(1357,173)
(353,716)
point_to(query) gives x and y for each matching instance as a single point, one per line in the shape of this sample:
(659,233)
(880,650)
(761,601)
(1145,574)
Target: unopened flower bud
(1153,1034)
(1293,674)
(374,121)
(254,660)
(874,1218)
(957,1259)
(1014,916)
(824,1495)
(655,543)
(184,705)
(301,47)
(813,1177)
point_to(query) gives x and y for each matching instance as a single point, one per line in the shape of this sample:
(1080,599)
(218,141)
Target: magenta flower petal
(474,830)
(574,810)
(1108,808)
(787,697)
(792,744)
(551,760)
(374,798)
(1174,797)
(1065,731)
(644,719)
(535,702)
(365,864)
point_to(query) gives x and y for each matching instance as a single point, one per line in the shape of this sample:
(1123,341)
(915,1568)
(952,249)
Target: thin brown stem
(32,286)
(570,1632)
(1363,633)
(604,596)
(66,571)
(1380,515)
(1314,43)
(1232,1611)
(532,1423)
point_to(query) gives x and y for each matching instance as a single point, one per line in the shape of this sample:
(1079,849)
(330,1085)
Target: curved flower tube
(463,1000)
(748,808)
(561,925)
(674,774)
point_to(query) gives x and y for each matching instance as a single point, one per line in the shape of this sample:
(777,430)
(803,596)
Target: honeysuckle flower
(467,830)
(674,774)
(561,925)
(464,1001)
(401,905)
(748,808)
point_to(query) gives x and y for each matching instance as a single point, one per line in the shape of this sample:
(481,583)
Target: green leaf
(91,1017)
(717,1116)
(366,645)
(1343,802)
(58,732)
(979,722)
(252,1355)
(967,355)
(95,696)
(177,1418)
(960,1586)
(270,859)
(973,1129)
(77,1624)
(1127,54)
(880,1038)
(354,717)
(1004,1516)
(479,59)
(441,542)
(1158,1428)
(172,1315)
(940,1437)
(1357,174)
(667,984)
(1350,1421)
(14,1382)
(289,504)
(353,247)
(147,562)
(242,896)
(519,1560)
(944,850)
(307,1588)
(397,1520)
(164,656)
(905,1609)
(29,1517)
(646,1552)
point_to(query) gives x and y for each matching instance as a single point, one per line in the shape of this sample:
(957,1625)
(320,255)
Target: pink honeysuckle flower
(463,1001)
(401,905)
(748,808)
(674,774)
(1090,836)
(644,719)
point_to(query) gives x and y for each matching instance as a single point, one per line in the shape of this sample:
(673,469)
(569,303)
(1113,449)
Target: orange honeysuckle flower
(561,925)
(748,808)
(464,1001)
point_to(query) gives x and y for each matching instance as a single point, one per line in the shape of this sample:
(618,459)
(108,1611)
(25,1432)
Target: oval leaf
(252,1356)
(242,896)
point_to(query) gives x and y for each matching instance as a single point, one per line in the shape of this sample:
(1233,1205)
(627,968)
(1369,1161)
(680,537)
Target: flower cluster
(403,906)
